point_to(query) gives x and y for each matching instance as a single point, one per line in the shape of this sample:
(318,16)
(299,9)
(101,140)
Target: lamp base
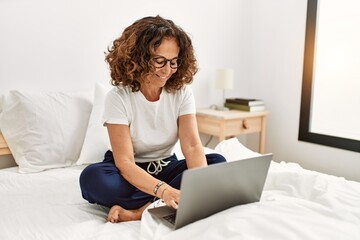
(219,108)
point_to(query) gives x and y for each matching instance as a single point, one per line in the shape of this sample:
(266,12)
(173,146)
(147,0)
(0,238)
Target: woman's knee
(85,175)
(98,177)
(214,158)
(85,182)
(89,174)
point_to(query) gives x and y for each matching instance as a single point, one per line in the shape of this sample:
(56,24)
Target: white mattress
(48,205)
(296,204)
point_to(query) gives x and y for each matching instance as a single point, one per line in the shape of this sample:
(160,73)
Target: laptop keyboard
(170,218)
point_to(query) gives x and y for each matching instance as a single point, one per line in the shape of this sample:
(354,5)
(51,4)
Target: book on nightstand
(245,104)
(245,101)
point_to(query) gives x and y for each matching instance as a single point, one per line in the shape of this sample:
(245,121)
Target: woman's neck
(151,94)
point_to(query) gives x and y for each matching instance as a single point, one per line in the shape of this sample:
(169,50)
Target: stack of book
(245,104)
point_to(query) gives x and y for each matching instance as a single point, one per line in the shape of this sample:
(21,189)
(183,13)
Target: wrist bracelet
(156,188)
(162,194)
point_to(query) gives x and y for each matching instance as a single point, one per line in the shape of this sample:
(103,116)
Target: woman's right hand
(170,196)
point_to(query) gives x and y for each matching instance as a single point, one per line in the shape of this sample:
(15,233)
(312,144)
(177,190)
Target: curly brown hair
(129,56)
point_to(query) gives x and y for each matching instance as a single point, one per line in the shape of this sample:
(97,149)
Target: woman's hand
(170,196)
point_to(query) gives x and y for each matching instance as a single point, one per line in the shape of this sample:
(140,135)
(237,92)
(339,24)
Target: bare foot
(119,214)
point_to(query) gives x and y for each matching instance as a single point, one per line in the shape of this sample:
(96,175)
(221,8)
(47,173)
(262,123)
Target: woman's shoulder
(186,89)
(181,95)
(120,90)
(119,93)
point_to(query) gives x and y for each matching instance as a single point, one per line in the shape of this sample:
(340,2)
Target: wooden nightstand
(4,150)
(6,159)
(225,124)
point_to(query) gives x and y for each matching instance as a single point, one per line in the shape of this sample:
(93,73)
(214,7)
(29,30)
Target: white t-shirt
(153,125)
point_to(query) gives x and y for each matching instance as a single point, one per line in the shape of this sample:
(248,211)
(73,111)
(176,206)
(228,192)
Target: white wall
(278,33)
(58,45)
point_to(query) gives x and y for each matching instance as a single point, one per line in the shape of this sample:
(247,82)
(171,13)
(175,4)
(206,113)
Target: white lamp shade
(224,79)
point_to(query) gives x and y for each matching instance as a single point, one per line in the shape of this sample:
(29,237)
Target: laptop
(209,190)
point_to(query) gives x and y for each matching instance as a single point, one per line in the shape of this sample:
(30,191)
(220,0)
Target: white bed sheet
(296,204)
(48,205)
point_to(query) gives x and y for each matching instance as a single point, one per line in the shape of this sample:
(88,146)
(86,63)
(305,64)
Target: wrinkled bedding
(296,204)
(48,205)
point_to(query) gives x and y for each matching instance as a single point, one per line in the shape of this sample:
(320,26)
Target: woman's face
(165,62)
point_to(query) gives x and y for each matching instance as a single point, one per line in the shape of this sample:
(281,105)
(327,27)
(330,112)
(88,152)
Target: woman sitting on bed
(146,113)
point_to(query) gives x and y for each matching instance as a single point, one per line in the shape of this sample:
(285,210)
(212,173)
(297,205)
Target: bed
(40,198)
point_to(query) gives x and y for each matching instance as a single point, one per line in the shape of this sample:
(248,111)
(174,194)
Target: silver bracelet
(156,188)
(162,194)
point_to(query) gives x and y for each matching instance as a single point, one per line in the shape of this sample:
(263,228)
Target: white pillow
(45,130)
(233,150)
(96,141)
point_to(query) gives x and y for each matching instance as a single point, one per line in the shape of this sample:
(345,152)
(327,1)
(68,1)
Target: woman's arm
(190,142)
(122,149)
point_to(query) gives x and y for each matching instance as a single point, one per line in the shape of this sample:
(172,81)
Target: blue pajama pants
(102,183)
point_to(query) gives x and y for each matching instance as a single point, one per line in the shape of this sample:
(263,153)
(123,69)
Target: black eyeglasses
(160,62)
